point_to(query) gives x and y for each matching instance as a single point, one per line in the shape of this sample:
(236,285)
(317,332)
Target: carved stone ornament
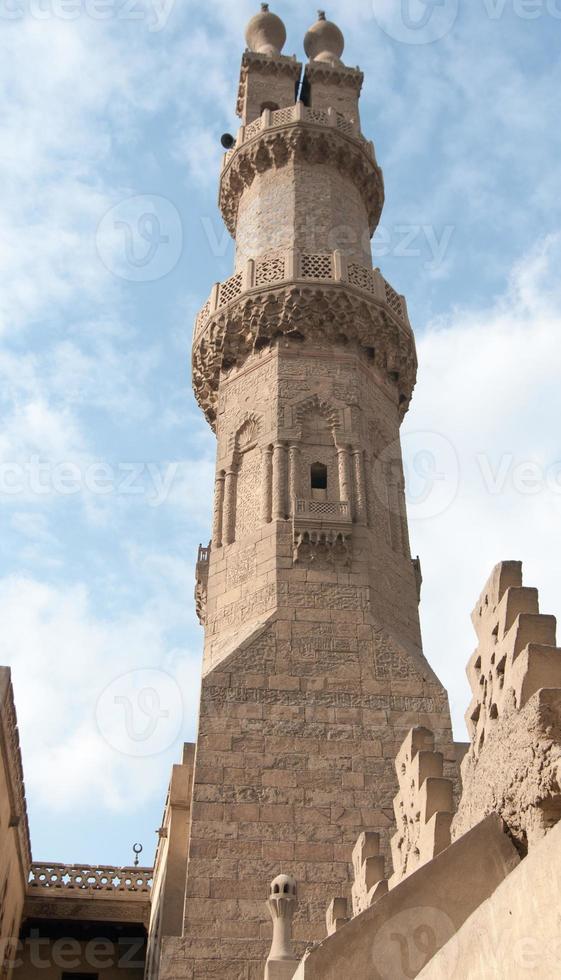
(319,547)
(272,149)
(320,313)
(327,74)
(265,64)
(201,583)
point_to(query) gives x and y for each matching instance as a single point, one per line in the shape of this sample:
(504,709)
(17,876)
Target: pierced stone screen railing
(294,114)
(292,266)
(338,510)
(66,878)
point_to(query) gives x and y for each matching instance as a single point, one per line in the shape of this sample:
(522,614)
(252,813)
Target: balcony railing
(203,555)
(299,113)
(292,266)
(322,510)
(70,878)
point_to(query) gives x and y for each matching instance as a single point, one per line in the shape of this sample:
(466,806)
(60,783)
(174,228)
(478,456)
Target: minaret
(304,364)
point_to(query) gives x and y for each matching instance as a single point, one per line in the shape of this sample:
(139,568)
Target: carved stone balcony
(300,132)
(297,113)
(322,532)
(319,296)
(100,893)
(290,266)
(83,878)
(322,512)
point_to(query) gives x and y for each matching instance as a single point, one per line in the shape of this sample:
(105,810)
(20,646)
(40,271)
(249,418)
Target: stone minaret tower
(303,363)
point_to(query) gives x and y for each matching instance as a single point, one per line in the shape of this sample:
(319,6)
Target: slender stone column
(218,509)
(370,491)
(279,481)
(266,483)
(394,509)
(405,547)
(360,491)
(230,504)
(293,474)
(343,460)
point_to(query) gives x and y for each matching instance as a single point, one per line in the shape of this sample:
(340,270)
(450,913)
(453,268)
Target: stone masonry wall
(310,207)
(295,757)
(269,403)
(314,671)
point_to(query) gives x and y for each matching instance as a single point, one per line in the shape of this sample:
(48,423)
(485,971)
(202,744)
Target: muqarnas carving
(322,548)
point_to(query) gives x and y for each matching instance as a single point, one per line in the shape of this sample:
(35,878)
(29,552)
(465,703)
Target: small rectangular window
(319,476)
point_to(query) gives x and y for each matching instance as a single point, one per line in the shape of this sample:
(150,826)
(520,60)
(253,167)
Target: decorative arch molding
(246,435)
(320,406)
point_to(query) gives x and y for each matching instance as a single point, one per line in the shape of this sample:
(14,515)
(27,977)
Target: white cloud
(489,388)
(63,657)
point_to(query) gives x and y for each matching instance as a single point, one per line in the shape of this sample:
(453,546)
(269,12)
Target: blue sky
(109,243)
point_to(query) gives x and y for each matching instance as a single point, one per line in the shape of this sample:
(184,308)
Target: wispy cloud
(488,389)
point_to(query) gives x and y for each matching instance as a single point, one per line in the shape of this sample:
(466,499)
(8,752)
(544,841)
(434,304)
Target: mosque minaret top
(324,42)
(266,33)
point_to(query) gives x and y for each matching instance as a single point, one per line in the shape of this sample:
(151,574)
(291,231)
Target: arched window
(269,105)
(318,476)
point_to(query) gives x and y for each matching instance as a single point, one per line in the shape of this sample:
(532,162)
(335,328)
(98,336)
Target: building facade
(15,849)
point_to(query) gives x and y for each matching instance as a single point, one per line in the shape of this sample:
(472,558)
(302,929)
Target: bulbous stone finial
(265,33)
(324,41)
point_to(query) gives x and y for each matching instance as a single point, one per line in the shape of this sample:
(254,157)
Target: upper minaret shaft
(301,175)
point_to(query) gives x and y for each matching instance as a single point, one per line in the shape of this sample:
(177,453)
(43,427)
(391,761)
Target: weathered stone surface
(513,765)
(398,935)
(336,915)
(518,773)
(282,759)
(423,807)
(369,872)
(515,932)
(15,848)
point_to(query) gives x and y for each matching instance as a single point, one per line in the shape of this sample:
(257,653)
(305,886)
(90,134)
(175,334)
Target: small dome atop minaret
(324,41)
(265,33)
